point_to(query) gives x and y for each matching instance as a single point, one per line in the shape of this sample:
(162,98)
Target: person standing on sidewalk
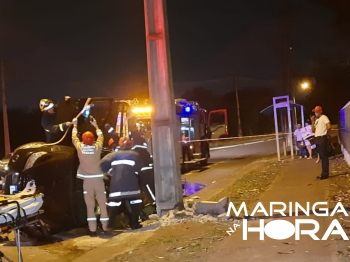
(321,126)
(298,140)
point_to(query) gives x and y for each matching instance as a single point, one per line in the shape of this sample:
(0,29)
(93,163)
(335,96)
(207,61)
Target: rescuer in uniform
(146,174)
(113,141)
(48,121)
(89,170)
(123,166)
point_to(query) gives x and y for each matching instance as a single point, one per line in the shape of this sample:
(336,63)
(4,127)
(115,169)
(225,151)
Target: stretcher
(19,211)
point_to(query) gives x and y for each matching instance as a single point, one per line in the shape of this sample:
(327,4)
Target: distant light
(305,85)
(142,110)
(6,168)
(187,109)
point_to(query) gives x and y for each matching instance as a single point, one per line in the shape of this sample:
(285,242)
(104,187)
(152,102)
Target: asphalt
(228,164)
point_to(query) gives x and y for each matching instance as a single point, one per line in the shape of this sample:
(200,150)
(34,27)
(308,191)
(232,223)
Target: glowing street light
(305,85)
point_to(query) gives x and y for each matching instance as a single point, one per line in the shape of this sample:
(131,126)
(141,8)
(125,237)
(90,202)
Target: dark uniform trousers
(322,148)
(133,205)
(186,152)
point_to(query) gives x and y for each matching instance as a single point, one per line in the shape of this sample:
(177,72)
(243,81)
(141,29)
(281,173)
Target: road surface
(226,165)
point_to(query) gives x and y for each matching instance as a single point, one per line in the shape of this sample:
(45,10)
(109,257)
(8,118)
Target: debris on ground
(288,252)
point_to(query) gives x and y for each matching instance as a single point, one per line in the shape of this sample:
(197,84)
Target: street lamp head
(305,85)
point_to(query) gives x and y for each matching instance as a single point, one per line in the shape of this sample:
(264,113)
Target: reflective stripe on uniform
(74,131)
(136,173)
(91,218)
(99,133)
(89,176)
(137,201)
(61,127)
(126,193)
(47,130)
(104,219)
(110,130)
(146,168)
(150,164)
(85,192)
(123,162)
(150,191)
(114,204)
(138,146)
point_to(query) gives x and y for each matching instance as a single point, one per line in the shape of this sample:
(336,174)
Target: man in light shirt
(321,126)
(307,134)
(298,140)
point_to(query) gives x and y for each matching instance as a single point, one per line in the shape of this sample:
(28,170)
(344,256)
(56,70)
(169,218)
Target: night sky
(97,48)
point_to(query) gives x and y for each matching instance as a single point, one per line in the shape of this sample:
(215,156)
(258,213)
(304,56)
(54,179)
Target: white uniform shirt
(321,126)
(298,135)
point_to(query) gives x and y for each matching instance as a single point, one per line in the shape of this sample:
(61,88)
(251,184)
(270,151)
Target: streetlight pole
(304,85)
(238,111)
(165,136)
(4,113)
(295,109)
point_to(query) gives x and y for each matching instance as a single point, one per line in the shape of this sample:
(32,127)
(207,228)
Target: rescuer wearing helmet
(113,141)
(89,153)
(48,120)
(123,166)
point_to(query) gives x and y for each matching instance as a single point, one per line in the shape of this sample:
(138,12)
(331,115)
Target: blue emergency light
(184,110)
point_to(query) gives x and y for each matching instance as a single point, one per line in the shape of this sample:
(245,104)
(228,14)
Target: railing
(344,131)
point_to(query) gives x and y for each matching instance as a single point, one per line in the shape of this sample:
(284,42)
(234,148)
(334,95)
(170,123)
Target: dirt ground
(189,241)
(339,191)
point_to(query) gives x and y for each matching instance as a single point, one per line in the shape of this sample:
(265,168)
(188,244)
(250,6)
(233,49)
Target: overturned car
(54,166)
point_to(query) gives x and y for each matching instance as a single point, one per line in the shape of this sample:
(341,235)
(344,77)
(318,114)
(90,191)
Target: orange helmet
(124,142)
(110,142)
(88,138)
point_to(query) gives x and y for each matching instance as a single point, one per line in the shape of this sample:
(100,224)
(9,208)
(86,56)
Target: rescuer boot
(93,234)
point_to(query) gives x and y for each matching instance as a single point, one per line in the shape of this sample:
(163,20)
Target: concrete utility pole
(165,136)
(4,113)
(238,112)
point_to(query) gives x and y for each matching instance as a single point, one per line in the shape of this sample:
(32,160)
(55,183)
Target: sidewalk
(297,183)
